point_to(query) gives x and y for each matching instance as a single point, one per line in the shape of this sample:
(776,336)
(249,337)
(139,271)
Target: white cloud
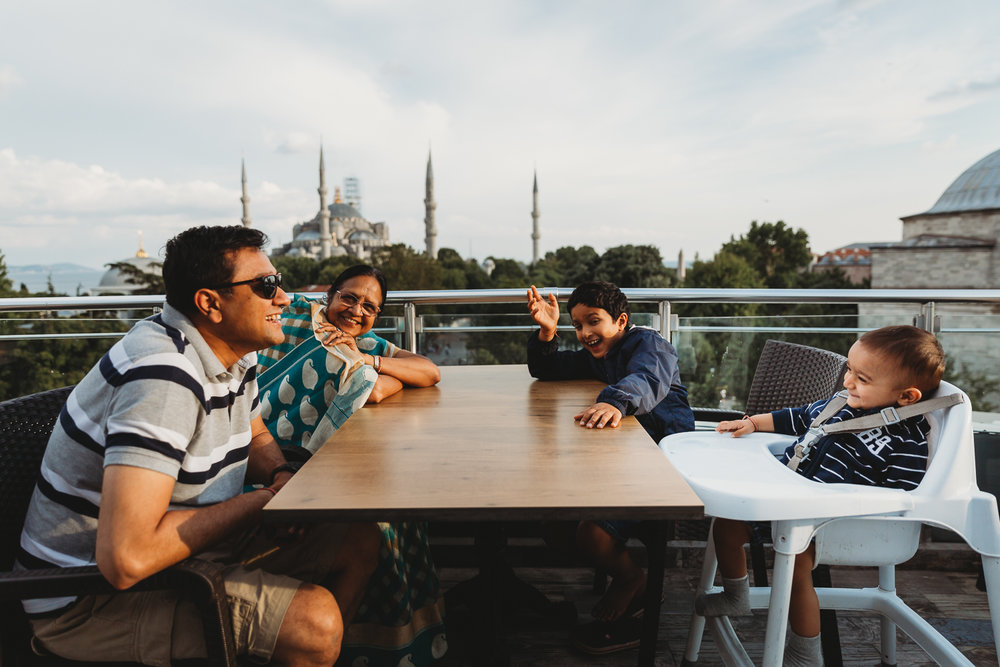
(666,123)
(9,78)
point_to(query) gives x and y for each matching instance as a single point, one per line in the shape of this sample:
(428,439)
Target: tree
(508,273)
(776,251)
(296,271)
(6,285)
(407,269)
(566,267)
(633,266)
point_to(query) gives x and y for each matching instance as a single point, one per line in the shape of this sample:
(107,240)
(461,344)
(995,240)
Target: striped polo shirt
(159,399)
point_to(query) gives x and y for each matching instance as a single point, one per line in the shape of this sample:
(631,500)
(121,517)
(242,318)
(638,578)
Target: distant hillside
(66,277)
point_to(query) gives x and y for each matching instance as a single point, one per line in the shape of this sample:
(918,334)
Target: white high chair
(740,478)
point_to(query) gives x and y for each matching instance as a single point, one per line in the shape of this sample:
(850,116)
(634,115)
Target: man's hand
(544,312)
(599,415)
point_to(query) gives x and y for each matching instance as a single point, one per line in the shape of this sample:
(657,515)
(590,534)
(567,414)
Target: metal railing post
(928,320)
(665,317)
(410,326)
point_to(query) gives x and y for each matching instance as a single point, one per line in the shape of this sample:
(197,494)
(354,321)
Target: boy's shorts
(155,627)
(620,530)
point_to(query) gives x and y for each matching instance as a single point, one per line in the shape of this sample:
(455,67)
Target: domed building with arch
(952,245)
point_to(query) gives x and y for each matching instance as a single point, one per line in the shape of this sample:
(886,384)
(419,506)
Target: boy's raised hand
(544,312)
(599,415)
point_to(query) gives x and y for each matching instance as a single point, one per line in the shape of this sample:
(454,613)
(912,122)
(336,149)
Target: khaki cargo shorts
(155,627)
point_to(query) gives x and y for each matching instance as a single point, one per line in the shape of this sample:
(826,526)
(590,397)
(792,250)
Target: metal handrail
(635,294)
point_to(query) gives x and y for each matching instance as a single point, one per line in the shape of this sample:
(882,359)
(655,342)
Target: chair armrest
(202,580)
(715,414)
(53,582)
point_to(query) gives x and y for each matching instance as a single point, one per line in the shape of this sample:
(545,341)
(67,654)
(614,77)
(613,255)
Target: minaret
(429,206)
(246,197)
(324,212)
(535,214)
(681,269)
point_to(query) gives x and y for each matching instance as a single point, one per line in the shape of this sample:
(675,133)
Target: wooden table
(490,443)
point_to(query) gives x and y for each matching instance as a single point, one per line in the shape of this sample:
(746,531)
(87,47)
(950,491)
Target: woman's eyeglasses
(349,300)
(265,286)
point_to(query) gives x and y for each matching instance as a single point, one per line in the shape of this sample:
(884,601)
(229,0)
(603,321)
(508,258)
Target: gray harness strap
(884,417)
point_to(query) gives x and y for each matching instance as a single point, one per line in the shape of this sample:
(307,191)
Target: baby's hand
(599,415)
(544,312)
(736,427)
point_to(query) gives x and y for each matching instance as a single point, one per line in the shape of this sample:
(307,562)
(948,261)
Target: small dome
(114,281)
(977,189)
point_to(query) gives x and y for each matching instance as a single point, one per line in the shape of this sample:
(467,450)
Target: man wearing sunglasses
(147,467)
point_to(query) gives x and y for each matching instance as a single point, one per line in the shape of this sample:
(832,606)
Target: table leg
(656,549)
(490,643)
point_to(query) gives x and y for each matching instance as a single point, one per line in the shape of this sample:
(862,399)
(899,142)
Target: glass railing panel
(47,350)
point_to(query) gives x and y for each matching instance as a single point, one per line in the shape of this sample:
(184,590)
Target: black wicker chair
(25,426)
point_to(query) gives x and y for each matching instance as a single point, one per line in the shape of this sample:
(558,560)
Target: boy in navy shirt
(892,366)
(640,368)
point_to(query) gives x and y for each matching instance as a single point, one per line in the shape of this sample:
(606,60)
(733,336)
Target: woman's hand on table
(599,415)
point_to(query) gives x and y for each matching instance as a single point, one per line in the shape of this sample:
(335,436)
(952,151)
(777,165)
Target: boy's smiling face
(874,380)
(596,329)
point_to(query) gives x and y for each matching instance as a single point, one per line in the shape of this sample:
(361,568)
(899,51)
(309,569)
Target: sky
(670,122)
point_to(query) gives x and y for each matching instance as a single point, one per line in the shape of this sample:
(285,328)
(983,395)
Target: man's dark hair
(599,294)
(354,272)
(202,257)
(918,353)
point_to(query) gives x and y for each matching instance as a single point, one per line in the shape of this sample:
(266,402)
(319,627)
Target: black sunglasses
(265,286)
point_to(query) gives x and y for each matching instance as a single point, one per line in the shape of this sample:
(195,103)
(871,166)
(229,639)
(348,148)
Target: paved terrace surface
(941,587)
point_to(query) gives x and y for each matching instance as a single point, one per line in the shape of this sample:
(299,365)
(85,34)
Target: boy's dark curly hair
(600,294)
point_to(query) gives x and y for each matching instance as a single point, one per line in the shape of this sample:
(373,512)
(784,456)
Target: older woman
(330,365)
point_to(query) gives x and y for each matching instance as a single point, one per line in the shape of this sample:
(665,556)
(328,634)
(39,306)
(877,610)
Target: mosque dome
(115,282)
(342,211)
(977,189)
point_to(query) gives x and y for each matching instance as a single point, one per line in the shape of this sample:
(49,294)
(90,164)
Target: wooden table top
(486,443)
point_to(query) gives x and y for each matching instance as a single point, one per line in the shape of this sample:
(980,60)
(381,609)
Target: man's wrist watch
(284,467)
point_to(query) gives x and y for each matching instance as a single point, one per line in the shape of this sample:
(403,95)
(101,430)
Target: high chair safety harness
(884,417)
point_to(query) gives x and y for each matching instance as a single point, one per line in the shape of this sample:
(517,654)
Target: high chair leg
(697,629)
(777,611)
(887,583)
(991,574)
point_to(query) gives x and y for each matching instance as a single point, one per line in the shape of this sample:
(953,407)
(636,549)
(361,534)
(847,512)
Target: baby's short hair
(918,353)
(600,294)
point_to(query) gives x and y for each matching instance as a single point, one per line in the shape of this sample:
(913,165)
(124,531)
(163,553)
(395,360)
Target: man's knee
(313,628)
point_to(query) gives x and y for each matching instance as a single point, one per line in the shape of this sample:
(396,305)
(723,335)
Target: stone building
(952,245)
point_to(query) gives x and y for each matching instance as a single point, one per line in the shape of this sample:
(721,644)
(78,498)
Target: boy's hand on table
(599,415)
(544,312)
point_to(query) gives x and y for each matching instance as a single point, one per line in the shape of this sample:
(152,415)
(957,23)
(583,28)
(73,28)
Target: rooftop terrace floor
(949,600)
